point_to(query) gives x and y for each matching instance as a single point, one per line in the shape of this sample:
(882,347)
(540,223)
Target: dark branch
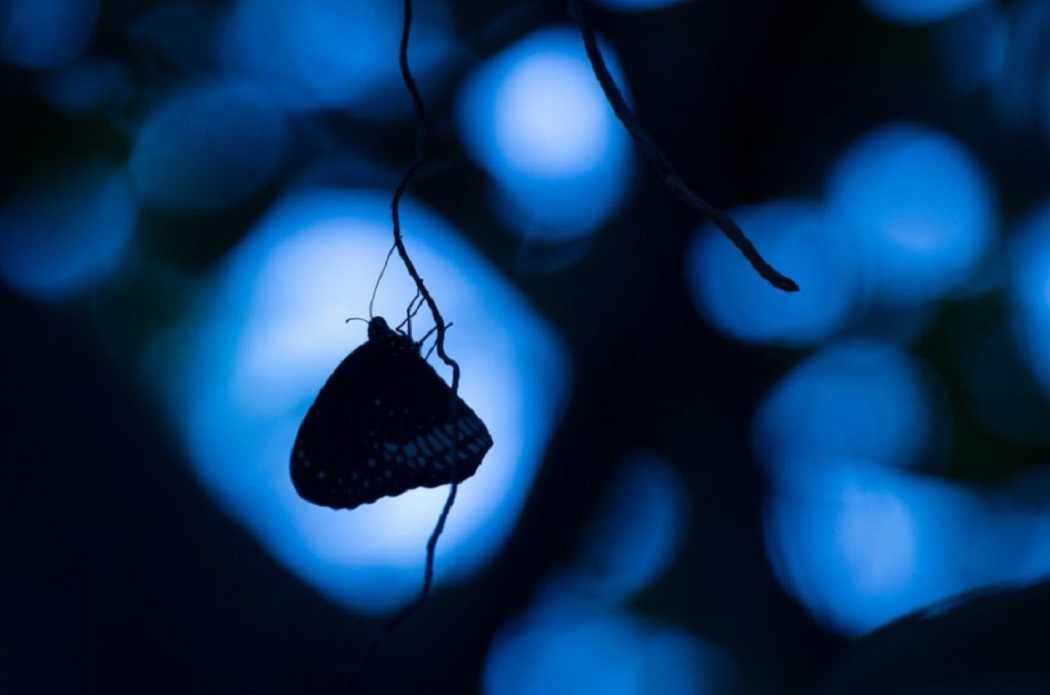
(402,186)
(662,164)
(439,327)
(428,578)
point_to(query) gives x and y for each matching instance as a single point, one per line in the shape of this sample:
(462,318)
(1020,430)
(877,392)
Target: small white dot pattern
(382,424)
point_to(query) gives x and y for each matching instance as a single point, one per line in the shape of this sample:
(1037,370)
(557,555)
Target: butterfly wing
(382,424)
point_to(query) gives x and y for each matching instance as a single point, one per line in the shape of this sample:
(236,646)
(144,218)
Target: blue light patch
(536,119)
(45,33)
(974,48)
(636,536)
(855,536)
(1029,256)
(918,207)
(637,5)
(856,400)
(795,237)
(1016,521)
(613,654)
(919,11)
(860,545)
(58,242)
(208,146)
(332,53)
(253,362)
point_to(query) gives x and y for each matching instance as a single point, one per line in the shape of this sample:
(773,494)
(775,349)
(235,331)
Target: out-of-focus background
(699,484)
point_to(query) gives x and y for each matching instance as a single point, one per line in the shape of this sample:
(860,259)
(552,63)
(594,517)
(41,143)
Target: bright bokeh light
(612,654)
(794,236)
(918,208)
(45,33)
(860,544)
(852,533)
(919,11)
(208,146)
(331,53)
(856,400)
(547,121)
(256,357)
(535,118)
(62,240)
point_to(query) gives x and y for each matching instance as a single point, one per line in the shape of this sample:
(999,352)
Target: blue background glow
(1029,255)
(638,533)
(633,539)
(536,120)
(858,539)
(637,5)
(45,33)
(330,53)
(725,489)
(857,400)
(207,146)
(86,85)
(795,237)
(613,653)
(861,545)
(257,356)
(63,239)
(918,209)
(577,637)
(919,11)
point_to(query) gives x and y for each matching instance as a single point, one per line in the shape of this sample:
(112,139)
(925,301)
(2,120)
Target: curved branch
(440,327)
(662,164)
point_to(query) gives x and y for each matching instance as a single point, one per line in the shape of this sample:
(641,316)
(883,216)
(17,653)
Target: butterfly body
(382,424)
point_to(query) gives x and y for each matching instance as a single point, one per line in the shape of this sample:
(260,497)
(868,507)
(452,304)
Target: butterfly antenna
(382,272)
(356,318)
(413,308)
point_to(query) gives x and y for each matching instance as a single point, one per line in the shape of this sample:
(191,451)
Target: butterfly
(384,423)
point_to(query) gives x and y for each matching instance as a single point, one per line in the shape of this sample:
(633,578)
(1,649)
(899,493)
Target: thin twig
(402,186)
(439,327)
(662,164)
(375,287)
(406,612)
